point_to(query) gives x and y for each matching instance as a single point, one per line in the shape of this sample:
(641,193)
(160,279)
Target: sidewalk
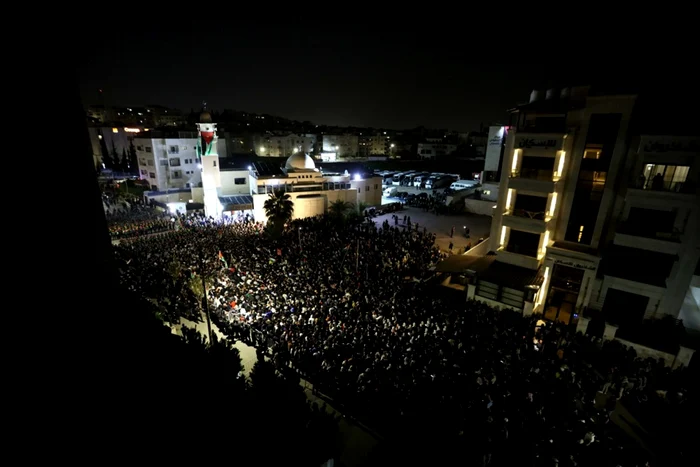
(441,226)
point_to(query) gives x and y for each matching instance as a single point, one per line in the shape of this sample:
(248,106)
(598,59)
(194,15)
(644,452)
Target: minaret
(209,159)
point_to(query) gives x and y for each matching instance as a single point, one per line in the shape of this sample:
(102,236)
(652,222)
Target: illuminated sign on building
(493,148)
(537,143)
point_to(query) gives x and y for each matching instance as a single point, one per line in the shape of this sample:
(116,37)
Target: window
(487,290)
(149,149)
(175,162)
(358,190)
(177,174)
(376,186)
(671,177)
(142,161)
(367,188)
(239,181)
(174,150)
(214,163)
(150,163)
(591,153)
(139,148)
(163,162)
(152,175)
(144,172)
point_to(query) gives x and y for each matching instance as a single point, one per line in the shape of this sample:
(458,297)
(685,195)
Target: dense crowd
(132,218)
(349,307)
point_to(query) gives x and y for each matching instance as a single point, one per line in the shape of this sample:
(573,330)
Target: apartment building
(284,145)
(592,213)
(168,160)
(346,145)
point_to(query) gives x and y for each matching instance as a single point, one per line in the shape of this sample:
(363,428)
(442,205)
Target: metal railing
(538,215)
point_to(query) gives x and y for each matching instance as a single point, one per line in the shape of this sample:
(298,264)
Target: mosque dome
(205,117)
(300,161)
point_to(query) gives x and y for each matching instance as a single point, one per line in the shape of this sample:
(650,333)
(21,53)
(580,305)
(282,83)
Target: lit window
(580,234)
(115,130)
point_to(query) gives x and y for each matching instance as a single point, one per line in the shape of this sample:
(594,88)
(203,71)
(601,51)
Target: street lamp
(262,149)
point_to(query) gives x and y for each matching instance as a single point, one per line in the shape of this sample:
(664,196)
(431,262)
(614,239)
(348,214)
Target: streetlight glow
(262,149)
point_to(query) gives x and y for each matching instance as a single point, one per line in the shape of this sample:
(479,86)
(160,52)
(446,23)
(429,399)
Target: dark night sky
(377,79)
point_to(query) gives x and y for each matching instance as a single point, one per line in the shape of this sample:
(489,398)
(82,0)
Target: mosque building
(235,191)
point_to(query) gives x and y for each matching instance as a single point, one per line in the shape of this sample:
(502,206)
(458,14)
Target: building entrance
(563,294)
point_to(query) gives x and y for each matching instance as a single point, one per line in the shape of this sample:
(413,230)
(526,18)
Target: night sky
(368,79)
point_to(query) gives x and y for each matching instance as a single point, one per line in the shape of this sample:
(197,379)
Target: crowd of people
(349,307)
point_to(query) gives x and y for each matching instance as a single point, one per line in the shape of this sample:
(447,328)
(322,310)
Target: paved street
(479,226)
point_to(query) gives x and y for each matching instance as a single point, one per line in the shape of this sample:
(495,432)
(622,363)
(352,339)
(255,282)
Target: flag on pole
(223,260)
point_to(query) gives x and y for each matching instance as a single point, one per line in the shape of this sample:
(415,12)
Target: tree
(339,208)
(115,158)
(133,157)
(279,209)
(106,159)
(357,212)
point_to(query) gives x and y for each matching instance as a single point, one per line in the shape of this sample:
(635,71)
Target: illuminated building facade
(311,190)
(168,159)
(583,221)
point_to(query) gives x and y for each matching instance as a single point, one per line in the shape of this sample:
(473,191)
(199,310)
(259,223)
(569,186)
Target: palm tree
(279,209)
(338,208)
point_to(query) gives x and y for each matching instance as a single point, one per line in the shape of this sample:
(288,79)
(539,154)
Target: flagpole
(205,302)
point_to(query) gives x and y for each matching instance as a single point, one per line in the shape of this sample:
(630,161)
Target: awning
(194,206)
(463,263)
(236,202)
(509,275)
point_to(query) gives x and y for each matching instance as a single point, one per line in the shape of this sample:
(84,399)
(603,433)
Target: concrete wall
(369,191)
(182,197)
(481,207)
(681,359)
(480,250)
(306,204)
(496,304)
(228,182)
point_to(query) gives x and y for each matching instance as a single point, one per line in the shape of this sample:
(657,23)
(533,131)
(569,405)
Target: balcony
(538,180)
(528,221)
(635,236)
